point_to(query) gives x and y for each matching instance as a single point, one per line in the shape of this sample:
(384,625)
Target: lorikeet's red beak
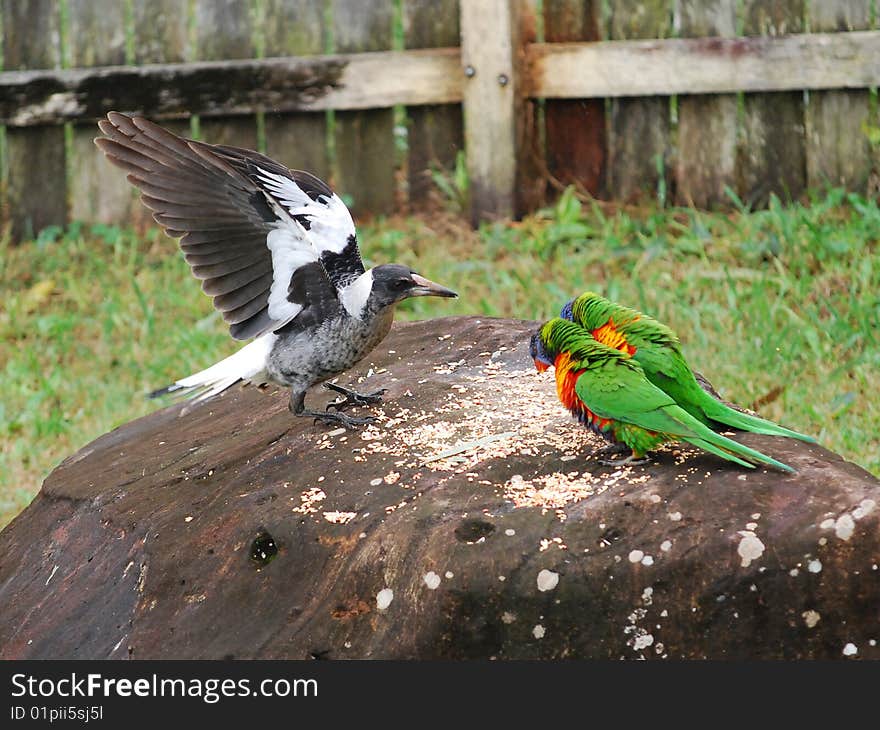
(540,366)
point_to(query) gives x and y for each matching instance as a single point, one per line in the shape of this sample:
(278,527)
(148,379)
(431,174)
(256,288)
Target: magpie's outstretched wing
(267,242)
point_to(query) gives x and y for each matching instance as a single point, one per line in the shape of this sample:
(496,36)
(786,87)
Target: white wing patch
(289,252)
(330,221)
(331,230)
(292,245)
(285,190)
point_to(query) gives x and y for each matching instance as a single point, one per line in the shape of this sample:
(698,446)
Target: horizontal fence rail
(806,61)
(342,82)
(385,79)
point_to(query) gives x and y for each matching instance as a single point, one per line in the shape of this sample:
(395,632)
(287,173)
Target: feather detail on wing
(247,224)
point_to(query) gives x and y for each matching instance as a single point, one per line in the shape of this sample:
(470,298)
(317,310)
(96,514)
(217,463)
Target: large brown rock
(470,522)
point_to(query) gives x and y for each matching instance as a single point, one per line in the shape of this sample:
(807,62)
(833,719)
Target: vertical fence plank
(772,156)
(364,140)
(160,31)
(97,38)
(575,129)
(296,28)
(530,182)
(838,152)
(160,36)
(4,177)
(706,159)
(35,156)
(436,132)
(224,30)
(490,105)
(639,130)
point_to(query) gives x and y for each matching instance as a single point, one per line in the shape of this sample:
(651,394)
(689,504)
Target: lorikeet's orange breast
(566,379)
(609,335)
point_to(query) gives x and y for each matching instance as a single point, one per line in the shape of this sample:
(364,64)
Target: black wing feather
(209,196)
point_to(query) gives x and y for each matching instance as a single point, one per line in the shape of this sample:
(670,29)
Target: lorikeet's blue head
(539,353)
(566,311)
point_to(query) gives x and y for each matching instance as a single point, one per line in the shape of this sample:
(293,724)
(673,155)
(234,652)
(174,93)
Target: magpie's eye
(401,284)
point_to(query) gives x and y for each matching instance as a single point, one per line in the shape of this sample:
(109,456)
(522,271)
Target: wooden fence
(681,99)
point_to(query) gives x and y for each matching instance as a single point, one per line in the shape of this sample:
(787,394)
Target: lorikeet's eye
(539,353)
(533,346)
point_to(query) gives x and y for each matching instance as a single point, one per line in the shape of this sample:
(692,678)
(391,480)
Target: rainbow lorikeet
(657,349)
(607,390)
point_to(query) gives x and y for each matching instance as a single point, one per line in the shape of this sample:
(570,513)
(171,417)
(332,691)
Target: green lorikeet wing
(617,389)
(657,349)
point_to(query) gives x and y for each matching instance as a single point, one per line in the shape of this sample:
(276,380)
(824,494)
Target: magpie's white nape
(277,250)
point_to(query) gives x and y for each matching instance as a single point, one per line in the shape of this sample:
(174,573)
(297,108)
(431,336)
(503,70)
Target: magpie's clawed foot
(337,419)
(353,398)
(631,460)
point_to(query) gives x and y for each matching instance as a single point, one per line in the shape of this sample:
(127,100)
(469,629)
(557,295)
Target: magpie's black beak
(427,288)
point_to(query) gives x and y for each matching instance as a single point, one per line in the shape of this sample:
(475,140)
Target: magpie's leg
(632,460)
(297,407)
(353,398)
(297,401)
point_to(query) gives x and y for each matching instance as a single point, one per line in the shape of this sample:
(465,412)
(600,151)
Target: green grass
(780,305)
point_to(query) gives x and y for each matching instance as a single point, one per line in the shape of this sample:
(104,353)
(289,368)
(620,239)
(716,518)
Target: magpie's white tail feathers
(246,364)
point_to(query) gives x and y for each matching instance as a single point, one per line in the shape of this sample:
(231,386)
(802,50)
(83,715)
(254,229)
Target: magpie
(278,252)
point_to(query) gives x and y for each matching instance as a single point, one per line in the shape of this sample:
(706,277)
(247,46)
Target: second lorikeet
(606,390)
(658,350)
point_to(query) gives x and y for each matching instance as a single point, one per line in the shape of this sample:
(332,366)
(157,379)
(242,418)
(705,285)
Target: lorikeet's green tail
(705,438)
(722,413)
(657,419)
(658,350)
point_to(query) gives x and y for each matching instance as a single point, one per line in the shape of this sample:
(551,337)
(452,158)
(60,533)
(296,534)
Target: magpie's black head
(393,283)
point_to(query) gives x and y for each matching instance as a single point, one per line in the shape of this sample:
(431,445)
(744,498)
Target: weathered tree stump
(470,521)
